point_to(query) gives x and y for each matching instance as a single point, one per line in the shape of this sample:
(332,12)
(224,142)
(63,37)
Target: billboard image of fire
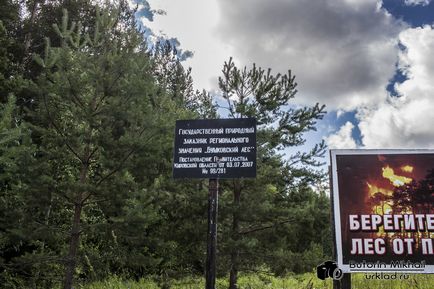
(383,202)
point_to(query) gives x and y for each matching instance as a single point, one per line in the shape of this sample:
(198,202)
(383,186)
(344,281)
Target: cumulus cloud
(417,2)
(193,23)
(343,52)
(343,138)
(407,121)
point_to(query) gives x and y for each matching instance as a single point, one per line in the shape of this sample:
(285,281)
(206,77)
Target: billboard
(215,148)
(383,203)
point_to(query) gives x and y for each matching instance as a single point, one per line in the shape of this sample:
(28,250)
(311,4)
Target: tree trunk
(73,247)
(28,36)
(233,277)
(71,260)
(47,221)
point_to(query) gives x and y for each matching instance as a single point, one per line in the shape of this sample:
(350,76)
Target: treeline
(87,114)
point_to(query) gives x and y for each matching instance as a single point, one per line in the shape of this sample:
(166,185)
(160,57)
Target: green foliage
(87,112)
(11,81)
(103,138)
(264,280)
(16,156)
(96,115)
(174,80)
(275,219)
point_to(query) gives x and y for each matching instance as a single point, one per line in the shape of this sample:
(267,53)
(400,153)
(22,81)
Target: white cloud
(343,138)
(339,113)
(417,2)
(343,52)
(407,121)
(193,23)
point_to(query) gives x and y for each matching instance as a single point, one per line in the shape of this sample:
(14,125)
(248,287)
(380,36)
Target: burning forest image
(381,185)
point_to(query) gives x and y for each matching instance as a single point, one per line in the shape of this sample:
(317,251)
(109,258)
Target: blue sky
(414,15)
(369,61)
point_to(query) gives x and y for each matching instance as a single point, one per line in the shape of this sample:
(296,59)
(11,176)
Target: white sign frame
(428,269)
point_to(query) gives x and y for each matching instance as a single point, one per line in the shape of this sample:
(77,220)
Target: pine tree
(98,110)
(176,81)
(264,204)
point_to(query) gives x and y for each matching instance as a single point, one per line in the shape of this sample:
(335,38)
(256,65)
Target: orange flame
(396,180)
(373,189)
(407,169)
(380,197)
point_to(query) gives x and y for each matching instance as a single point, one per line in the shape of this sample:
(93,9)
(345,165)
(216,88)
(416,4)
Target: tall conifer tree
(97,101)
(264,204)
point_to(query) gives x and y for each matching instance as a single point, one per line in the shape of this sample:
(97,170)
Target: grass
(263,281)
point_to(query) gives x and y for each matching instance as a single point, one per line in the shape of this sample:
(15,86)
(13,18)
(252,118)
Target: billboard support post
(345,282)
(212,233)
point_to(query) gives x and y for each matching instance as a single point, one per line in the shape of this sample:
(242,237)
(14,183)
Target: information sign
(215,148)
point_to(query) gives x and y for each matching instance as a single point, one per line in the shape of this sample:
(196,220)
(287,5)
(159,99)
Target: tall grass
(264,281)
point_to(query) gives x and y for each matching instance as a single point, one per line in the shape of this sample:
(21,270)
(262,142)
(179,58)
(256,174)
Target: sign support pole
(345,282)
(212,233)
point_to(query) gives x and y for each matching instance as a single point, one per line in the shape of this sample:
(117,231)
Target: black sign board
(215,148)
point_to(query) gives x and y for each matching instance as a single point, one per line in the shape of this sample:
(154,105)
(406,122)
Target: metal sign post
(212,234)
